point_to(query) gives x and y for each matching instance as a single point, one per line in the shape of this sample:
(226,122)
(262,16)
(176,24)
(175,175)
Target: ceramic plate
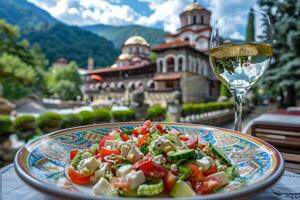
(41,162)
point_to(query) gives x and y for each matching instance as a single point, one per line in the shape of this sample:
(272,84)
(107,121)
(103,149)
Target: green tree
(21,67)
(224,91)
(284,72)
(65,82)
(250,37)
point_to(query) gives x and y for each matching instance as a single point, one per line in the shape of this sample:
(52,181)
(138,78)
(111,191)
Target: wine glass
(240,52)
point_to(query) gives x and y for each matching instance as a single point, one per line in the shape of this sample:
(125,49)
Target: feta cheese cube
(160,159)
(123,170)
(204,163)
(135,178)
(91,164)
(102,187)
(173,167)
(125,150)
(112,143)
(100,172)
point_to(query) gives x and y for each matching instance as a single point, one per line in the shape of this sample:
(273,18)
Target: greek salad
(151,161)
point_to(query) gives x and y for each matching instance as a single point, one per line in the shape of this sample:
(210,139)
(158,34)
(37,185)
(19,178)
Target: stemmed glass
(240,52)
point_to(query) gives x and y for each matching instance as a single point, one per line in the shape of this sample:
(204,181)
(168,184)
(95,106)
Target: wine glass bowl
(240,53)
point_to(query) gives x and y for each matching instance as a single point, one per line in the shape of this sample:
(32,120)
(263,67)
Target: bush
(49,122)
(102,115)
(71,120)
(156,113)
(25,127)
(192,109)
(123,115)
(6,127)
(87,117)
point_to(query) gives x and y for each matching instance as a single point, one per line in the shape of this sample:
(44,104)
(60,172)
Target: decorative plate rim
(250,190)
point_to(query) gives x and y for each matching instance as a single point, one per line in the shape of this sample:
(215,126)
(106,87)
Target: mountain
(57,39)
(73,43)
(25,14)
(119,34)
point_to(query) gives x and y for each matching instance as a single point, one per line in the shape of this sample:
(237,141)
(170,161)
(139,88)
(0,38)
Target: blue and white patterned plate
(41,162)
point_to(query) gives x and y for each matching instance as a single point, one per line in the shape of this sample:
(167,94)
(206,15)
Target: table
(13,188)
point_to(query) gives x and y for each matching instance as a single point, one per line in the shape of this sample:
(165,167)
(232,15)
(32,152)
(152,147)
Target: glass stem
(238,108)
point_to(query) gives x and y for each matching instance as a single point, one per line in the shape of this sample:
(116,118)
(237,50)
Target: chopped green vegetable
(222,157)
(93,149)
(232,172)
(76,159)
(86,155)
(184,173)
(182,189)
(150,189)
(186,154)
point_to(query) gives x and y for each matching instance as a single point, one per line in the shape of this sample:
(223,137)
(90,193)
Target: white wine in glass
(240,61)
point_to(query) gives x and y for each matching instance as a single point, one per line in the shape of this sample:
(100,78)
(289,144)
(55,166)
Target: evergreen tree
(284,72)
(250,37)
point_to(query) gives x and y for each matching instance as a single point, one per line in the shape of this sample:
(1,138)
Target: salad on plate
(151,161)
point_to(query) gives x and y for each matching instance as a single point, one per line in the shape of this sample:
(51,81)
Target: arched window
(187,39)
(161,66)
(180,64)
(202,19)
(170,64)
(194,19)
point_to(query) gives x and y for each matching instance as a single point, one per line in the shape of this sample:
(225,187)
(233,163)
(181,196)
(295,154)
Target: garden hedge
(123,115)
(25,127)
(192,109)
(102,115)
(49,122)
(71,120)
(156,113)
(87,117)
(6,127)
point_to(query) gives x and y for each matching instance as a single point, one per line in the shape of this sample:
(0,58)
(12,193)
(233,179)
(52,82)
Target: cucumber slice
(93,149)
(182,189)
(186,154)
(128,193)
(76,159)
(150,189)
(222,157)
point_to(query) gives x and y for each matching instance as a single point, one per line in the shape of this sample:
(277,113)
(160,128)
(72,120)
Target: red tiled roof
(167,77)
(123,68)
(173,44)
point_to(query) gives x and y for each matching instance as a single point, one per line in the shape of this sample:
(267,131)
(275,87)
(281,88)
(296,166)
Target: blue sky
(153,13)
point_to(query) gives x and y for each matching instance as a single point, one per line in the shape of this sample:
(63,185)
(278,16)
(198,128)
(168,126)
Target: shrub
(190,109)
(25,127)
(102,115)
(87,117)
(123,115)
(71,120)
(156,113)
(49,122)
(6,127)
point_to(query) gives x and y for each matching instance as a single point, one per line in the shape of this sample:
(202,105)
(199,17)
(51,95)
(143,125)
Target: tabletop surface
(292,120)
(13,188)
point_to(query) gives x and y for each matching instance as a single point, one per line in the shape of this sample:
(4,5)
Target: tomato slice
(125,137)
(143,140)
(153,170)
(196,174)
(161,129)
(103,139)
(169,181)
(183,137)
(147,124)
(212,169)
(106,152)
(73,153)
(77,177)
(138,164)
(203,188)
(192,143)
(135,133)
(143,130)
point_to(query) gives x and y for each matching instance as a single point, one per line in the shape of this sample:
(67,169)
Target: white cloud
(164,12)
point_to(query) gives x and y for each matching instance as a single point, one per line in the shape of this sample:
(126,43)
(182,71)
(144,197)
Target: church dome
(136,40)
(193,6)
(124,56)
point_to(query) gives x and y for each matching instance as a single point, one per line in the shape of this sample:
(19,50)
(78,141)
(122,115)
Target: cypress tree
(250,37)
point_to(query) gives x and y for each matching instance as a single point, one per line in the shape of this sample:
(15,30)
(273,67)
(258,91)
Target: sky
(162,14)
